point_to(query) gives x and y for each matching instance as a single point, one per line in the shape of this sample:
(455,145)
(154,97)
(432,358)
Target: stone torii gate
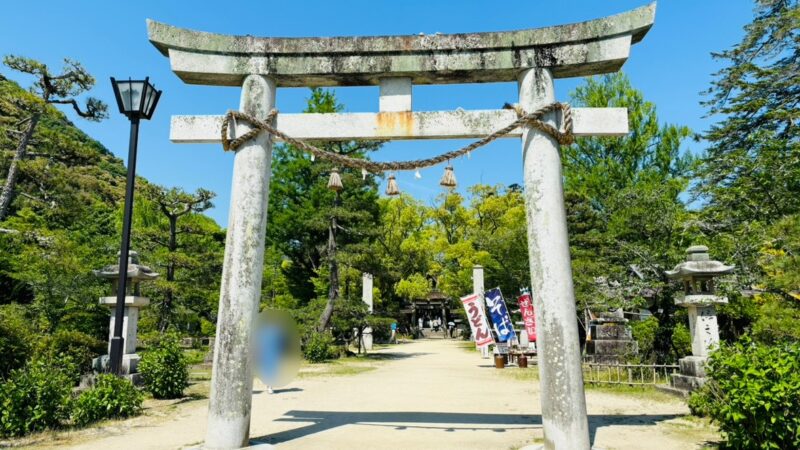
(532,57)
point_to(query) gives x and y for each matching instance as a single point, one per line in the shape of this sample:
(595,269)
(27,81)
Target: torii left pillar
(240,293)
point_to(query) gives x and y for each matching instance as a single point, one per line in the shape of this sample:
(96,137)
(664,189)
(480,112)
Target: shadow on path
(450,422)
(391,356)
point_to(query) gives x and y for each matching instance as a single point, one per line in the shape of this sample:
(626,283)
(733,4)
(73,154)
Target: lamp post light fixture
(136,99)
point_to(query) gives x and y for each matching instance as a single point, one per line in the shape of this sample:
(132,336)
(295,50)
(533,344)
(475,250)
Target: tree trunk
(168,295)
(333,290)
(11,179)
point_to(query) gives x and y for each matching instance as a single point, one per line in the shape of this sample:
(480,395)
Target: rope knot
(534,120)
(258,126)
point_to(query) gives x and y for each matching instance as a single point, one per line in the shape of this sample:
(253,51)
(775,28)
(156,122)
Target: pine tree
(48,89)
(317,229)
(752,168)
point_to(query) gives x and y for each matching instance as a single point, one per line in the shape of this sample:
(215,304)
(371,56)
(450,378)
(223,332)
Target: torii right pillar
(564,417)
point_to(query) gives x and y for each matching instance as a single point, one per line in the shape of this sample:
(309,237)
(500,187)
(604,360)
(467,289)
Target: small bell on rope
(313,157)
(449,178)
(335,181)
(364,174)
(417,175)
(391,187)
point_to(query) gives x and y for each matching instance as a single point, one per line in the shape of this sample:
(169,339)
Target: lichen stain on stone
(394,123)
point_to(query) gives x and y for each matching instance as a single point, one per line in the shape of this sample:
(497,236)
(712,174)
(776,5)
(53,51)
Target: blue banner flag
(499,314)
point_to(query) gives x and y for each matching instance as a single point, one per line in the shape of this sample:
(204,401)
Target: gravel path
(427,394)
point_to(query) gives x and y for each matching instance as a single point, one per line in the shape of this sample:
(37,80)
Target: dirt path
(429,394)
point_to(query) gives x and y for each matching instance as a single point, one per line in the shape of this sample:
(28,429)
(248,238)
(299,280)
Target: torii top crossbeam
(580,49)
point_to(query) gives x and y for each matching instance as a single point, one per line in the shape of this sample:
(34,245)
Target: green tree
(63,221)
(626,218)
(750,175)
(751,170)
(500,230)
(186,247)
(47,89)
(414,287)
(402,253)
(598,167)
(317,229)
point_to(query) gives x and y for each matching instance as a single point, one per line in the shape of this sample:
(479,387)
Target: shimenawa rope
(532,119)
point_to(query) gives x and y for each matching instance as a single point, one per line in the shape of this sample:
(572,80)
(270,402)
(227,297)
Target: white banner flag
(477,320)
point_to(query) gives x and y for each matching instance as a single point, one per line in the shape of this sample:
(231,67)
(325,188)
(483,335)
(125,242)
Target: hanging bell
(391,187)
(335,181)
(449,178)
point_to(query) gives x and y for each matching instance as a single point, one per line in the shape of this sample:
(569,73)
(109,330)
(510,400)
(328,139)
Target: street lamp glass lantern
(136,98)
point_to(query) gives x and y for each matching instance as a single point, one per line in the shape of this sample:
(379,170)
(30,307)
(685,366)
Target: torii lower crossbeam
(401,125)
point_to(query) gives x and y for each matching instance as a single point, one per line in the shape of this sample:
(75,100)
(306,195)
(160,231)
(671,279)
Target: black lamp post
(136,99)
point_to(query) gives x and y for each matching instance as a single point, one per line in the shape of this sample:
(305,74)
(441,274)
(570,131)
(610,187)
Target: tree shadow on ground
(391,356)
(446,421)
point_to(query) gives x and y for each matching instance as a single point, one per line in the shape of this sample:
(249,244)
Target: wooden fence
(633,374)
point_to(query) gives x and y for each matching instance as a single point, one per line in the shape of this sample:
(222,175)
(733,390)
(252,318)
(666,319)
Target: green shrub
(15,339)
(777,322)
(644,332)
(147,339)
(207,328)
(164,369)
(93,322)
(319,347)
(753,393)
(682,339)
(34,398)
(381,328)
(111,397)
(78,346)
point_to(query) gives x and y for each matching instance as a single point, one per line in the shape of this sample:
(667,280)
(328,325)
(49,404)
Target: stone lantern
(133,301)
(697,274)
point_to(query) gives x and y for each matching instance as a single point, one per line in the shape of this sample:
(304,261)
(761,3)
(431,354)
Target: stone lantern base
(130,360)
(693,374)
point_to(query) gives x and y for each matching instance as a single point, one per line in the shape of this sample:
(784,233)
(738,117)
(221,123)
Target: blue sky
(672,66)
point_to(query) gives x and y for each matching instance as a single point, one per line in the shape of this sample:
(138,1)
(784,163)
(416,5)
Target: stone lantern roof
(136,271)
(698,263)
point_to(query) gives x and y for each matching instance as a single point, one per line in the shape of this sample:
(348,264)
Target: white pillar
(231,377)
(563,402)
(477,279)
(366,295)
(366,290)
(478,288)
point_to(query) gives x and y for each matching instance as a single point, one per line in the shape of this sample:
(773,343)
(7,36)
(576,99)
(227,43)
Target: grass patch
(515,373)
(467,346)
(643,392)
(195,356)
(351,365)
(199,373)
